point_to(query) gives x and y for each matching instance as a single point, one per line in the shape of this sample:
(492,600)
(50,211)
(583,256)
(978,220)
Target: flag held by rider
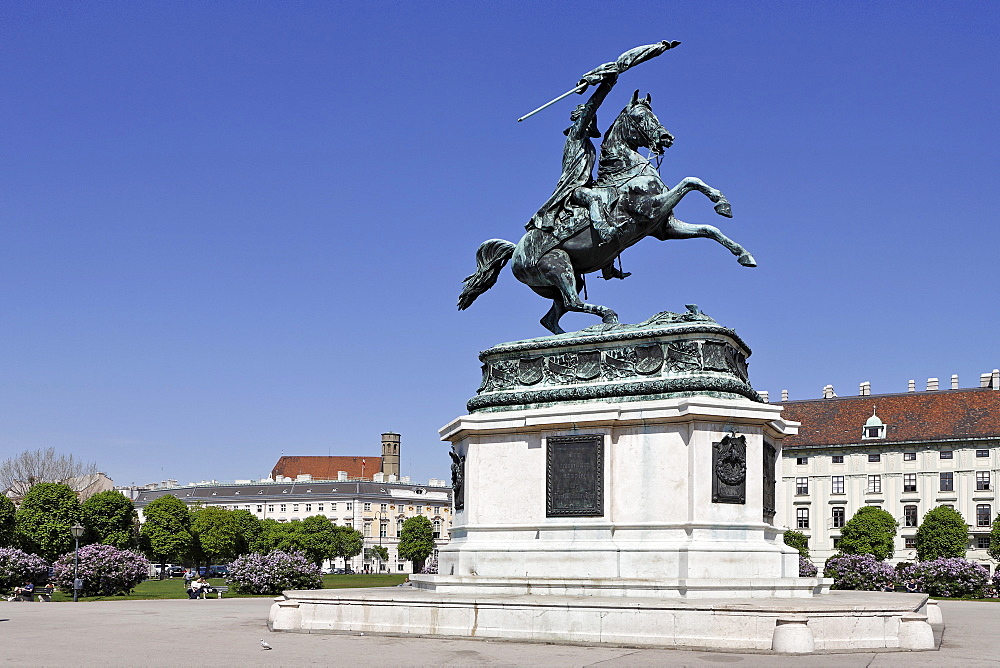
(627,60)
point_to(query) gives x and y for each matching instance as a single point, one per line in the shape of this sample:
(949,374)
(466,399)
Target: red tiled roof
(326,468)
(914,416)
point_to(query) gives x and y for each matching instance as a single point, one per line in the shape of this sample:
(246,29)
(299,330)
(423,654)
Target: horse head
(639,126)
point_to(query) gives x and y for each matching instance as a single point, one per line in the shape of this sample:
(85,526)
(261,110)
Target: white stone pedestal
(657,531)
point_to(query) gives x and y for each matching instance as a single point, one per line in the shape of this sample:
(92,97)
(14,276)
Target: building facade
(905,453)
(376,509)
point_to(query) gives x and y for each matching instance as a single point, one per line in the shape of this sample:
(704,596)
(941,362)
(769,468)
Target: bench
(213,589)
(40,592)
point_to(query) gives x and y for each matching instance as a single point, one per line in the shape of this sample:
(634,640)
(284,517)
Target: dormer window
(874,428)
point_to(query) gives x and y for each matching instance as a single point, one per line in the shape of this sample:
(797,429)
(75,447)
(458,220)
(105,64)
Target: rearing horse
(638,205)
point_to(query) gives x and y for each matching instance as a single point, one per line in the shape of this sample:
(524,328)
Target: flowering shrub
(952,577)
(806,568)
(273,573)
(17,567)
(104,569)
(996,582)
(430,566)
(858,571)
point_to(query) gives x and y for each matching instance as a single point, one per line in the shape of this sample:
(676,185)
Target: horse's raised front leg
(690,184)
(677,229)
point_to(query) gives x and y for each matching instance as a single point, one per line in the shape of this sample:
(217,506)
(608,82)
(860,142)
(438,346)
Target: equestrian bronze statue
(586,224)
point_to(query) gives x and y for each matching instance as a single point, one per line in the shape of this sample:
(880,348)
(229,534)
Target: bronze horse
(638,205)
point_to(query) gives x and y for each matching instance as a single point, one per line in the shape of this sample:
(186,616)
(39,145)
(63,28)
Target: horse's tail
(491,257)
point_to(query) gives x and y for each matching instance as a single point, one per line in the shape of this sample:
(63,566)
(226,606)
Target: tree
(279,537)
(349,543)
(319,538)
(799,541)
(942,533)
(380,553)
(217,534)
(994,549)
(870,531)
(19,474)
(416,542)
(166,533)
(249,528)
(42,522)
(7,510)
(111,519)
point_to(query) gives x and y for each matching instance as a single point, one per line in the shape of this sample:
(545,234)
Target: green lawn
(174,588)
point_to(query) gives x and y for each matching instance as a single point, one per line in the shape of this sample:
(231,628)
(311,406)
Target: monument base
(838,621)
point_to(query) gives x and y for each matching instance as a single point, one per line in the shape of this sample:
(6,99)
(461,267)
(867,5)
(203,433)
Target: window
(910,542)
(295,507)
(982,542)
(383,530)
(876,457)
(836,542)
(270,509)
(437,528)
(982,481)
(948,482)
(367,508)
(399,527)
(399,567)
(284,508)
(333,507)
(350,507)
(837,484)
(838,459)
(983,515)
(319,508)
(437,510)
(260,509)
(909,456)
(309,507)
(874,484)
(802,517)
(909,516)
(839,517)
(802,485)
(982,453)
(368,528)
(384,507)
(801,461)
(909,482)
(875,431)
(420,510)
(947,454)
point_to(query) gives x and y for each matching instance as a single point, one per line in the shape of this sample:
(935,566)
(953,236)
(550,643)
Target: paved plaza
(228,633)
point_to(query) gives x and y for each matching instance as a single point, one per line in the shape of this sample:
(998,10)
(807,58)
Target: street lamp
(77,531)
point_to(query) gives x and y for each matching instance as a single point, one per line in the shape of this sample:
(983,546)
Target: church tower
(390,454)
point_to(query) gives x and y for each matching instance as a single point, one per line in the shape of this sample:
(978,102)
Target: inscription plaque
(574,476)
(729,470)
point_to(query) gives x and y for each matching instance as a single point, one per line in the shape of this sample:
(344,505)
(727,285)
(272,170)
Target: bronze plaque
(729,470)
(574,476)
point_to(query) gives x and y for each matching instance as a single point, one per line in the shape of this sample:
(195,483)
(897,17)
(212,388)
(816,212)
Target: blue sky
(236,229)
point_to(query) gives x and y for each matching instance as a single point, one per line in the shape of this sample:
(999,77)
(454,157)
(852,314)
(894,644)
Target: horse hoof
(610,319)
(747,260)
(724,209)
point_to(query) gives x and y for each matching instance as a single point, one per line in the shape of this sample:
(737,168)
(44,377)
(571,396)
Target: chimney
(984,380)
(865,389)
(932,384)
(911,385)
(784,395)
(954,381)
(828,392)
(764,396)
(390,453)
(342,476)
(995,380)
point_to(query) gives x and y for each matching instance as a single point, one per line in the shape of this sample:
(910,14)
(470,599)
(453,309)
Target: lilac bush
(104,569)
(806,568)
(17,567)
(996,581)
(859,571)
(273,573)
(951,577)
